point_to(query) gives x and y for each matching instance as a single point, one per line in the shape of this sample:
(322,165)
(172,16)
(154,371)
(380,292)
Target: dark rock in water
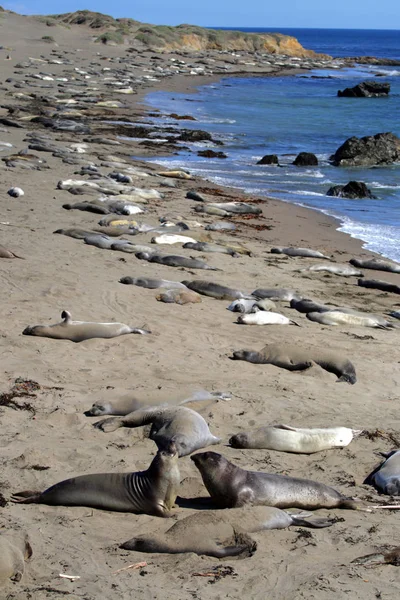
(211,154)
(196,135)
(366,89)
(305,159)
(269,159)
(352,190)
(379,149)
(182,117)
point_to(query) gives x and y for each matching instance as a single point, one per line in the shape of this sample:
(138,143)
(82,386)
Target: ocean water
(287,115)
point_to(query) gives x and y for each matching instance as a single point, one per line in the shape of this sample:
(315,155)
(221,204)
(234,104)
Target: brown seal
(5,253)
(179,296)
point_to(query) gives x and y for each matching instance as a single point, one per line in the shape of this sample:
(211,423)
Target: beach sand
(46,438)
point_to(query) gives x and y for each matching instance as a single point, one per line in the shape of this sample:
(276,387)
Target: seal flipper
(27,497)
(66,317)
(316,523)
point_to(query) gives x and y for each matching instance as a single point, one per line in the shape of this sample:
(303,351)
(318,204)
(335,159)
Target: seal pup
(303,252)
(335,269)
(276,294)
(375,263)
(14,550)
(203,532)
(232,487)
(285,438)
(265,318)
(153,284)
(378,284)
(338,317)
(179,297)
(183,426)
(171,260)
(168,238)
(78,331)
(5,253)
(214,290)
(294,358)
(251,305)
(386,477)
(152,492)
(127,404)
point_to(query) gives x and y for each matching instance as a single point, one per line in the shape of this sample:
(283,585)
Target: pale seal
(375,263)
(205,532)
(386,477)
(276,294)
(339,317)
(214,290)
(171,260)
(183,426)
(74,232)
(285,438)
(294,358)
(378,284)
(206,247)
(303,252)
(179,297)
(168,238)
(14,550)
(5,253)
(231,487)
(152,492)
(220,226)
(153,284)
(336,269)
(78,331)
(263,317)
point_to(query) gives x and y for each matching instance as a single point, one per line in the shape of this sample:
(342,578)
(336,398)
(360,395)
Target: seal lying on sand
(152,284)
(230,487)
(179,297)
(214,290)
(339,317)
(378,284)
(294,358)
(336,269)
(5,253)
(183,426)
(127,404)
(386,477)
(14,550)
(304,252)
(251,305)
(206,247)
(376,264)
(263,317)
(276,294)
(201,531)
(78,331)
(152,492)
(175,261)
(292,439)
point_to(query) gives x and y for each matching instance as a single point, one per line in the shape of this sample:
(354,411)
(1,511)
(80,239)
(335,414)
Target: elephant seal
(378,284)
(239,208)
(232,487)
(336,269)
(171,260)
(305,305)
(338,317)
(263,317)
(74,232)
(152,492)
(152,284)
(242,305)
(14,550)
(206,247)
(183,426)
(203,532)
(220,226)
(376,264)
(292,439)
(395,314)
(294,358)
(303,252)
(179,296)
(127,404)
(276,294)
(168,238)
(78,331)
(214,290)
(386,477)
(5,253)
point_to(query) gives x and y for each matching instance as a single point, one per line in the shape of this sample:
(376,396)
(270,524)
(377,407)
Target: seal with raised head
(375,263)
(214,290)
(232,487)
(303,252)
(294,358)
(152,492)
(285,438)
(185,427)
(78,331)
(14,550)
(386,476)
(204,532)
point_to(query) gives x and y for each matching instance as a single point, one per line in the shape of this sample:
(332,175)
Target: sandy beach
(45,436)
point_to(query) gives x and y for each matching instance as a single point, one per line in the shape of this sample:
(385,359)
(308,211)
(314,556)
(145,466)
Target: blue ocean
(287,115)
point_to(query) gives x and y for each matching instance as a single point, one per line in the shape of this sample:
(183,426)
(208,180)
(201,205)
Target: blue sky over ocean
(341,14)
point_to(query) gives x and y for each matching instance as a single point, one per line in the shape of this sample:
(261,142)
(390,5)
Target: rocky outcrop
(211,154)
(305,159)
(366,89)
(352,190)
(269,159)
(379,149)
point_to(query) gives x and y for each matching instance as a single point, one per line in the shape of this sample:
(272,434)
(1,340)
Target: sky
(340,14)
